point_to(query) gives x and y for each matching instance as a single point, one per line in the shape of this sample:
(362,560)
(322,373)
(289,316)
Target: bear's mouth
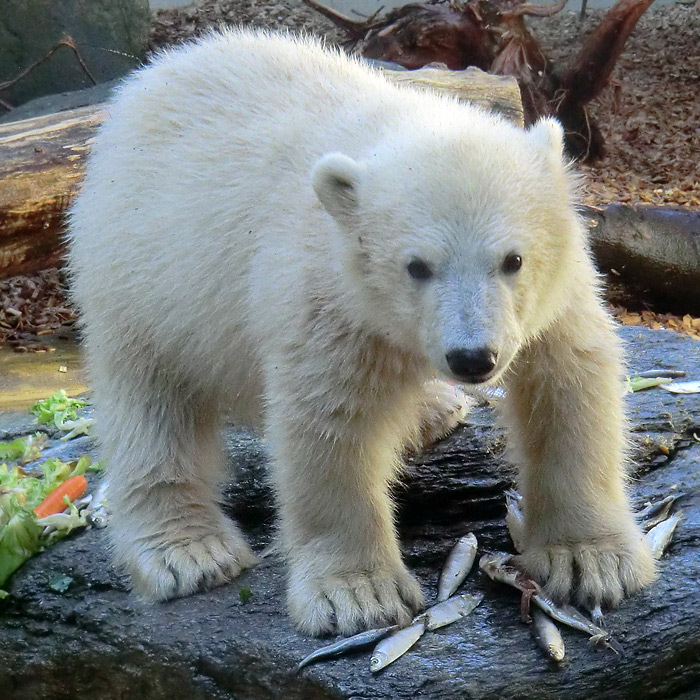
(474,378)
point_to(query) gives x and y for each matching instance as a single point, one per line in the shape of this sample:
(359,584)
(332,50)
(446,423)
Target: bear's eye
(419,269)
(511,263)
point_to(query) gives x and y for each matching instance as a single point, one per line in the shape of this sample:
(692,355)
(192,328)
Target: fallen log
(41,167)
(42,162)
(495,92)
(652,252)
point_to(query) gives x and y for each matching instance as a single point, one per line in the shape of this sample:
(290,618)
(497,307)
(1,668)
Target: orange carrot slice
(74,488)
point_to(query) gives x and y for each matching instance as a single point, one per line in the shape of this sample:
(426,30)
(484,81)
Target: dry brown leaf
(687,325)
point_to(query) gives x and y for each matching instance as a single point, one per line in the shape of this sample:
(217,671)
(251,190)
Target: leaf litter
(648,115)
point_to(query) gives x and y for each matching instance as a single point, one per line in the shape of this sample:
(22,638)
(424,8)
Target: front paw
(176,564)
(443,410)
(596,571)
(351,601)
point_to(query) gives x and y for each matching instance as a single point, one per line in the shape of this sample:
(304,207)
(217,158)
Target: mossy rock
(111,36)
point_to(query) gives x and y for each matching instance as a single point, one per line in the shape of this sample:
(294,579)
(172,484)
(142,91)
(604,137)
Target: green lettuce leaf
(641,383)
(57,409)
(20,535)
(13,450)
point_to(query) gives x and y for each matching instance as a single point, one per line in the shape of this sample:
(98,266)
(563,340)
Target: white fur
(240,246)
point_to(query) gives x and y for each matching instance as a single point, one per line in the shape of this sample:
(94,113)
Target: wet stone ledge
(97,640)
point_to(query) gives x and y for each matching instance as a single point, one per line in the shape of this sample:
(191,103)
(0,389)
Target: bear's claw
(600,572)
(163,571)
(353,602)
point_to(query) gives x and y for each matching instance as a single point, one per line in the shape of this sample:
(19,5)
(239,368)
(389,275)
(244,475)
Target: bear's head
(461,243)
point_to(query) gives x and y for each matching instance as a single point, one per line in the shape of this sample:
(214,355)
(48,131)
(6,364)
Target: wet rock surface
(98,640)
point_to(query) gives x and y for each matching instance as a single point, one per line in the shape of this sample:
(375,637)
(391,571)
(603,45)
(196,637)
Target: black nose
(471,365)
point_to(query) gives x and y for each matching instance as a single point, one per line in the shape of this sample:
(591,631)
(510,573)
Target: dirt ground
(650,116)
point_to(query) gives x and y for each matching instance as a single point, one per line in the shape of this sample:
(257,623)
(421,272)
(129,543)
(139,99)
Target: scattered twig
(356,29)
(64,41)
(370,18)
(533,10)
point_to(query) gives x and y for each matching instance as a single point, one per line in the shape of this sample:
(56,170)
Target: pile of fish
(392,642)
(660,523)
(497,567)
(655,518)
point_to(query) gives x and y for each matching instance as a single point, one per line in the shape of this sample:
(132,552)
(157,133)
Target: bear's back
(288,94)
(205,158)
(209,149)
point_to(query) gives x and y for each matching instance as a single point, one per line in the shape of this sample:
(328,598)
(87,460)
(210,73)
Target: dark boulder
(97,640)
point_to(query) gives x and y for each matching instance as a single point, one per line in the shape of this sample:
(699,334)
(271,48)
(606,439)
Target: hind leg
(164,465)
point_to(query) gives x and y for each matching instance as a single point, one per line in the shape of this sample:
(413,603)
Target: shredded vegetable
(22,533)
(23,449)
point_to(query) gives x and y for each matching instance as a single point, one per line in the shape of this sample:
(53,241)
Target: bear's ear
(549,133)
(335,179)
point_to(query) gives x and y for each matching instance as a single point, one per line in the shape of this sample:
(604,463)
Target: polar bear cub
(270,230)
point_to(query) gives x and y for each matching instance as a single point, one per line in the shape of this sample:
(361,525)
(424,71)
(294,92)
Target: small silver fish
(667,373)
(683,387)
(651,508)
(97,512)
(497,568)
(660,536)
(568,615)
(458,565)
(395,646)
(656,513)
(547,635)
(345,646)
(83,502)
(515,520)
(99,519)
(449,611)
